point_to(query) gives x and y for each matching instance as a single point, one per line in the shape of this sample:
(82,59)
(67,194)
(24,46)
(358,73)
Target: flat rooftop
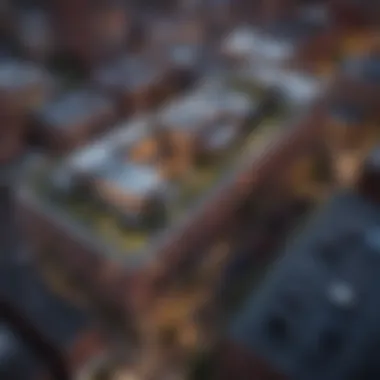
(315,315)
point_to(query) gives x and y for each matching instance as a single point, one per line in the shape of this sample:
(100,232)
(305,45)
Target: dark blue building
(366,69)
(316,315)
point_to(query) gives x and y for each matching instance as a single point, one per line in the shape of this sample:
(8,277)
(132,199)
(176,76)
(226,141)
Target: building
(90,32)
(136,82)
(35,35)
(359,74)
(315,314)
(301,40)
(32,312)
(23,87)
(140,269)
(69,120)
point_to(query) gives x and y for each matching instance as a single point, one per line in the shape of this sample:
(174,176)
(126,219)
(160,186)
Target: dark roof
(348,113)
(318,310)
(74,107)
(367,69)
(371,69)
(293,30)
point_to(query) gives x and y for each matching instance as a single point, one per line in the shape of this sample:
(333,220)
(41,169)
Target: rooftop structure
(134,252)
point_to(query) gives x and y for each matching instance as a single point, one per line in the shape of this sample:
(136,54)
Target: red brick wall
(46,236)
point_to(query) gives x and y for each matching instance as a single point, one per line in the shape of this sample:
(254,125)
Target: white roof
(16,74)
(96,153)
(251,43)
(240,41)
(203,104)
(222,136)
(137,179)
(184,54)
(187,113)
(74,107)
(298,87)
(270,48)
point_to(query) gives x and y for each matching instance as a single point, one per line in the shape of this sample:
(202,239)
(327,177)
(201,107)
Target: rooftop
(184,54)
(74,107)
(257,44)
(348,113)
(134,179)
(15,75)
(296,87)
(294,30)
(317,311)
(130,72)
(96,153)
(364,68)
(204,104)
(35,28)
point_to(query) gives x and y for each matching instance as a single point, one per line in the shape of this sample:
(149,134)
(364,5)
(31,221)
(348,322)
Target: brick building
(56,321)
